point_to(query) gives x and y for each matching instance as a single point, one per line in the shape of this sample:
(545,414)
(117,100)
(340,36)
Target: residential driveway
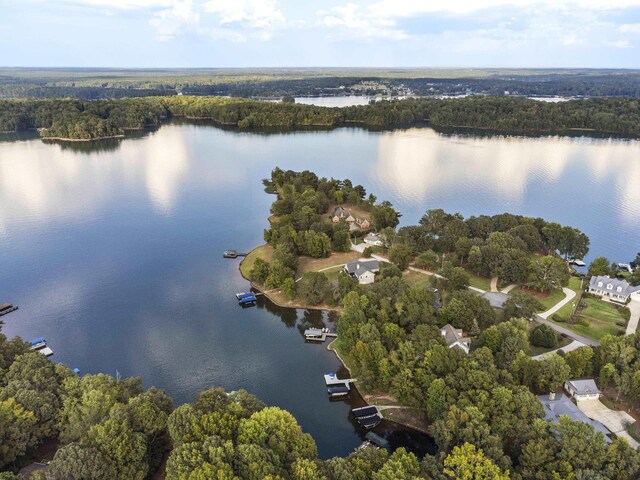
(359,248)
(634,306)
(615,420)
(567,348)
(569,295)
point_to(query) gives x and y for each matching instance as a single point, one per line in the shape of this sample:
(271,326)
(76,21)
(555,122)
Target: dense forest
(86,120)
(92,84)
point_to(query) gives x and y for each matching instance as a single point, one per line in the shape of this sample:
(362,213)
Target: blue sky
(342,33)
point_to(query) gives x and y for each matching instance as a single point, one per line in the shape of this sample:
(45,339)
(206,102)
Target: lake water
(338,101)
(113,250)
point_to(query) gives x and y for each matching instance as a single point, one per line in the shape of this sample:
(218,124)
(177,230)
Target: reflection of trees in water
(288,316)
(104,145)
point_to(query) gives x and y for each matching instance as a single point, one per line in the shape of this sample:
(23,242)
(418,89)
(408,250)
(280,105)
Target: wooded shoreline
(68,119)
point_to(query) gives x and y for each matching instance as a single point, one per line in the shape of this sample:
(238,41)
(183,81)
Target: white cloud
(356,22)
(257,14)
(411,8)
(171,21)
(125,4)
(630,28)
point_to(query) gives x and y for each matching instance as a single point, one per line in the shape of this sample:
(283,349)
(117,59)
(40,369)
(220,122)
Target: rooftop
(496,299)
(360,266)
(625,287)
(562,405)
(584,387)
(452,335)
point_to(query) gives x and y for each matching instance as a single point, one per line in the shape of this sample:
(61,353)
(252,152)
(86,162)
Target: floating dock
(233,254)
(7,308)
(247,299)
(40,345)
(337,387)
(318,334)
(368,417)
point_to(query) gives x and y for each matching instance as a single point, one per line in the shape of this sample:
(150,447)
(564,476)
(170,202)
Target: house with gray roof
(375,239)
(616,290)
(582,389)
(363,270)
(558,405)
(496,299)
(454,338)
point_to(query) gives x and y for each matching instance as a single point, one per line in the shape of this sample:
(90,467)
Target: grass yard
(309,264)
(547,301)
(264,252)
(602,318)
(566,311)
(416,279)
(483,283)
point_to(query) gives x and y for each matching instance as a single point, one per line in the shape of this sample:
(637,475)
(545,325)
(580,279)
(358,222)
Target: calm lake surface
(113,250)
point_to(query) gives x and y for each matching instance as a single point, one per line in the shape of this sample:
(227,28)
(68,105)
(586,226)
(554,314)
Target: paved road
(494,284)
(634,306)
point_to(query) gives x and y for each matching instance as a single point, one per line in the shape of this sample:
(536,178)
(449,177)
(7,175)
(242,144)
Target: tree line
(82,119)
(94,84)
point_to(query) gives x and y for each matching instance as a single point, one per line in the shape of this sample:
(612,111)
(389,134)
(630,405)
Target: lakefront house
(617,290)
(355,223)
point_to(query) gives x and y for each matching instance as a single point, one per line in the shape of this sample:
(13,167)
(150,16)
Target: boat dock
(233,254)
(368,417)
(40,345)
(246,299)
(337,387)
(7,308)
(318,334)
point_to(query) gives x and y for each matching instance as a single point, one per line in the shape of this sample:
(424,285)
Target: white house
(374,239)
(616,290)
(582,389)
(454,339)
(363,270)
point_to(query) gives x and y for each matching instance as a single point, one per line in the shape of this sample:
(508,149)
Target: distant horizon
(566,34)
(316,67)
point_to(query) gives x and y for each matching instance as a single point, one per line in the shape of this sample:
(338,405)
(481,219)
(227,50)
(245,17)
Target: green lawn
(566,311)
(483,283)
(547,302)
(417,279)
(602,318)
(265,252)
